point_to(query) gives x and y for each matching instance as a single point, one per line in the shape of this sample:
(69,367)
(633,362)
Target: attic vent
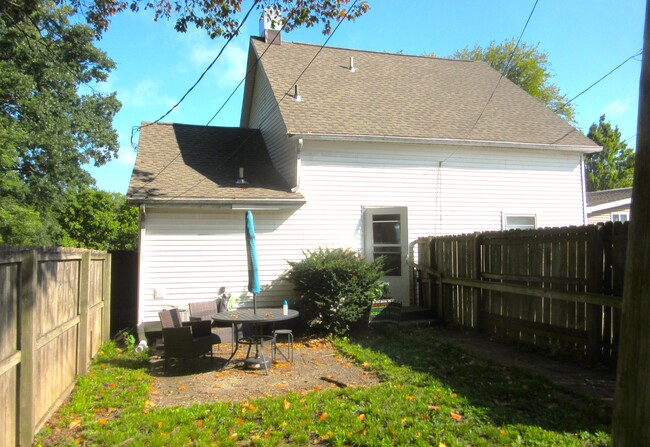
(352,68)
(296,94)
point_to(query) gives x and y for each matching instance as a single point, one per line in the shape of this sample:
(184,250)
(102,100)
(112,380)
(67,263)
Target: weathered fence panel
(49,330)
(557,288)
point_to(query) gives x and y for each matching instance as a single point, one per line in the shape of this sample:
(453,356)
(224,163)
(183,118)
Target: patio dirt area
(316,366)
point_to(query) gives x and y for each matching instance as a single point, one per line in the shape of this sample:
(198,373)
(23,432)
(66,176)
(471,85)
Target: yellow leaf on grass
(112,385)
(252,407)
(103,421)
(456,416)
(323,416)
(502,432)
(287,404)
(233,435)
(433,407)
(361,417)
(160,424)
(410,398)
(74,424)
(239,421)
(199,423)
(442,444)
(454,395)
(317,388)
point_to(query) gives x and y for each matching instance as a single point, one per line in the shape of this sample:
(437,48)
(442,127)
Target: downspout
(584,189)
(299,145)
(141,334)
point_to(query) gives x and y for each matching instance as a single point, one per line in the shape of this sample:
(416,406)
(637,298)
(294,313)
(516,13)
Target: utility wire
(505,70)
(241,145)
(236,33)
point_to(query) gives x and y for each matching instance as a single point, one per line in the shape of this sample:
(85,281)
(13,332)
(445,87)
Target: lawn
(432,394)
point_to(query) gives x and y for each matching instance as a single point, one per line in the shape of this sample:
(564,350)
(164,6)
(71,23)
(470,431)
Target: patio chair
(185,340)
(204,310)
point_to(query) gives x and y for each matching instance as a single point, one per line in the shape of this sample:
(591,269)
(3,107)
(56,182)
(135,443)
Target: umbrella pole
(254,305)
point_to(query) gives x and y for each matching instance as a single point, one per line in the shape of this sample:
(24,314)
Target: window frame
(506,227)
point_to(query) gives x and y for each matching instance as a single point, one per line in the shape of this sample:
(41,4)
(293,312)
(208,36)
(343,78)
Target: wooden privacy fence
(556,288)
(54,315)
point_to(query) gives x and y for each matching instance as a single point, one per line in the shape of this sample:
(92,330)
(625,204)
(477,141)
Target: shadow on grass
(507,395)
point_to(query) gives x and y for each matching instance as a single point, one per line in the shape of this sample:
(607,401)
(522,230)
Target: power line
(137,128)
(241,145)
(505,70)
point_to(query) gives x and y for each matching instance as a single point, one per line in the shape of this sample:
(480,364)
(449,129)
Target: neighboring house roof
(400,96)
(185,163)
(609,198)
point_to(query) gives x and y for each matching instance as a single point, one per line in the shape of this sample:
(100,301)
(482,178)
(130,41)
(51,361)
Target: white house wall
(189,253)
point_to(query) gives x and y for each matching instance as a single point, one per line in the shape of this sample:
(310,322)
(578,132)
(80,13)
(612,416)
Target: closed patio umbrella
(251,252)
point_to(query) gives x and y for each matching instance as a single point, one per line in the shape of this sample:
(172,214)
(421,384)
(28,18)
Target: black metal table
(262,317)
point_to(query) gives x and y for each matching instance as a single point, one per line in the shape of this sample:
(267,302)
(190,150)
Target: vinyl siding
(606,215)
(266,116)
(191,253)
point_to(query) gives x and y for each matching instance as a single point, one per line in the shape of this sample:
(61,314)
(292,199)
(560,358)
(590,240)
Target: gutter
(608,205)
(444,141)
(219,203)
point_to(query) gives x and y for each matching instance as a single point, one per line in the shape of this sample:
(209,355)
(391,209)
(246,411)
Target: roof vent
(241,181)
(352,68)
(271,26)
(296,95)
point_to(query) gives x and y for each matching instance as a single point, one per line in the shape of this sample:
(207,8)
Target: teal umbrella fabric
(251,252)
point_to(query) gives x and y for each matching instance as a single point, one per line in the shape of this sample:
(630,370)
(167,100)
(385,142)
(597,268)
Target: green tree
(217,17)
(613,167)
(528,67)
(100,220)
(52,120)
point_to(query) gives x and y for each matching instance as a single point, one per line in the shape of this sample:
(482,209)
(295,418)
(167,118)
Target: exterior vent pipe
(352,69)
(296,95)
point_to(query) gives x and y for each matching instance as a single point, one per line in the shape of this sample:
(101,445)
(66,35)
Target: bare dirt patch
(317,366)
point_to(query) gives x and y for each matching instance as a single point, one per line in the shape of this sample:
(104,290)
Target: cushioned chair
(185,339)
(204,310)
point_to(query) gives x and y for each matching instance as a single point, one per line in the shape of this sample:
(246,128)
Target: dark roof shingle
(186,162)
(607,196)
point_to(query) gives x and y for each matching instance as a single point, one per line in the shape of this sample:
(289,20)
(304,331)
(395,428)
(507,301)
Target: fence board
(41,314)
(526,284)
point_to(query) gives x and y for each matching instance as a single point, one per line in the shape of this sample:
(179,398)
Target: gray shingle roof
(406,96)
(608,195)
(184,162)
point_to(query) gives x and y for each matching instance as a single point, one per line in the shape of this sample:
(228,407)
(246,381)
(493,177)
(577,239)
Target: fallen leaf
(199,423)
(74,424)
(287,404)
(233,435)
(323,416)
(182,388)
(456,416)
(160,424)
(112,385)
(361,417)
(239,421)
(454,395)
(102,421)
(442,444)
(410,398)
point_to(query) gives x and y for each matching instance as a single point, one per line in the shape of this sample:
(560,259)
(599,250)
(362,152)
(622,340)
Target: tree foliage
(217,17)
(98,220)
(52,121)
(613,167)
(528,67)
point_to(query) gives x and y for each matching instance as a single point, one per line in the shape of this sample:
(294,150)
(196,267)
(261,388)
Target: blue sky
(584,39)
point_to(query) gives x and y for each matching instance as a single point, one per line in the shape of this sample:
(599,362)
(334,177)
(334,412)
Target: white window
(519,221)
(620,217)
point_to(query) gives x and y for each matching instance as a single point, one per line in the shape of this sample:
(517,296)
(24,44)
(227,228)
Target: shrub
(335,288)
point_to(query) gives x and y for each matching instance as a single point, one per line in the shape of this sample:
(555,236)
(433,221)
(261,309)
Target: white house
(609,205)
(362,149)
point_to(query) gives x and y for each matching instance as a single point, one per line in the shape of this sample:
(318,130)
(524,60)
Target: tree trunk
(631,422)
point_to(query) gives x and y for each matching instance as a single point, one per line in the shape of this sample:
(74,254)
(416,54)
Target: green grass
(432,394)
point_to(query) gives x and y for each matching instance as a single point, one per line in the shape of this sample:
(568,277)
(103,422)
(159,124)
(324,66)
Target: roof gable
(394,95)
(180,162)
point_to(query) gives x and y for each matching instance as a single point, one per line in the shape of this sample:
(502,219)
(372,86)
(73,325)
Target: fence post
(595,248)
(83,338)
(478,292)
(28,289)
(106,321)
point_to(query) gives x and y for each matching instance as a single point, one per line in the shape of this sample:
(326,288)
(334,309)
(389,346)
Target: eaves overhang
(219,203)
(445,142)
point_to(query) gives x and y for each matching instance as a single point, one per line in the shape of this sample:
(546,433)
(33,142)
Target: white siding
(265,115)
(606,215)
(191,253)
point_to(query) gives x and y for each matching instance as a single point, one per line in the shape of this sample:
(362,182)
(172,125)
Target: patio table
(263,316)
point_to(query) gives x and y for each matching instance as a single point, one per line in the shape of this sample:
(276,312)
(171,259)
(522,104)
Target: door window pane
(392,259)
(386,229)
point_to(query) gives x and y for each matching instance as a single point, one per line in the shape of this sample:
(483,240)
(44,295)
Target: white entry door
(386,234)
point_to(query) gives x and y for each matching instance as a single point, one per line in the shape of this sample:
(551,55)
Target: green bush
(335,288)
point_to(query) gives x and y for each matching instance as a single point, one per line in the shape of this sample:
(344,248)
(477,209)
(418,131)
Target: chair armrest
(199,328)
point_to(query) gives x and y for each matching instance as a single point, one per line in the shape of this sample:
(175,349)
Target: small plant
(129,342)
(335,288)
